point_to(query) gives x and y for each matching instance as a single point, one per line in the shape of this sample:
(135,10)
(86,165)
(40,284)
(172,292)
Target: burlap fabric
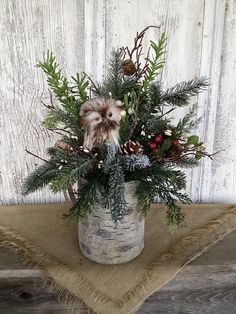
(46,239)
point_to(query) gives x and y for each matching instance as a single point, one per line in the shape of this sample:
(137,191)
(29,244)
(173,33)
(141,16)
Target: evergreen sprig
(180,94)
(112,87)
(109,156)
(187,123)
(58,83)
(166,183)
(156,63)
(42,176)
(116,192)
(81,86)
(88,196)
(71,173)
(133,162)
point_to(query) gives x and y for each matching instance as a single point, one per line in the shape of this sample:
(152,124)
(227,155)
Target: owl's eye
(97,119)
(110,114)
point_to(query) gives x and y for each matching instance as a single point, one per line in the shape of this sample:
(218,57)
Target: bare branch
(137,52)
(92,82)
(27,151)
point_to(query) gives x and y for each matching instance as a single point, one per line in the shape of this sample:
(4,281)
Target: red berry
(152,145)
(175,142)
(158,138)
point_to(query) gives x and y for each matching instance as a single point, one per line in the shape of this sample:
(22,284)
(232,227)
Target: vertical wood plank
(95,41)
(211,50)
(28,29)
(223,185)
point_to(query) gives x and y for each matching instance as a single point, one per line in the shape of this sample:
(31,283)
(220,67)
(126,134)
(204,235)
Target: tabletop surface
(206,285)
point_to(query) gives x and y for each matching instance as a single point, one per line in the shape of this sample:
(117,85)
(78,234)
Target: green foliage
(186,124)
(154,103)
(133,162)
(71,97)
(109,156)
(88,196)
(81,86)
(193,139)
(157,125)
(39,178)
(165,146)
(156,64)
(124,128)
(164,182)
(52,120)
(116,190)
(112,87)
(186,162)
(58,83)
(71,173)
(180,94)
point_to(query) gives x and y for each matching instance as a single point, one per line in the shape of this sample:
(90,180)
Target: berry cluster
(157,140)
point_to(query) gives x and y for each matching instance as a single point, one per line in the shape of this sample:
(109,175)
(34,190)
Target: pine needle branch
(116,190)
(180,94)
(156,64)
(39,178)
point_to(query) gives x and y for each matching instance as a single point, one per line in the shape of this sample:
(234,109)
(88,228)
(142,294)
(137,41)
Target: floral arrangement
(118,131)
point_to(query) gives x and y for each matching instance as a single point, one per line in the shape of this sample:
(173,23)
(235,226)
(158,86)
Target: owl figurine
(101,118)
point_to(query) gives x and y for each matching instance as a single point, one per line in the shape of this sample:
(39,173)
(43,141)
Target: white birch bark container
(104,242)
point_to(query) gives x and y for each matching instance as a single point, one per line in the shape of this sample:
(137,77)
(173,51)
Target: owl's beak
(107,122)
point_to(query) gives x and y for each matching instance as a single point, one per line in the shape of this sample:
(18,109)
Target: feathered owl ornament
(101,118)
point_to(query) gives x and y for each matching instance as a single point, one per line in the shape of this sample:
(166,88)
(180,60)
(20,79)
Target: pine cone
(130,148)
(65,146)
(176,152)
(128,67)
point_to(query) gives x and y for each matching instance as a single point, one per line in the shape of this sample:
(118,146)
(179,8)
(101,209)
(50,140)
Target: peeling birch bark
(104,242)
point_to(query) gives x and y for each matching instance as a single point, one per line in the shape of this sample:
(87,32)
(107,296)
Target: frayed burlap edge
(180,253)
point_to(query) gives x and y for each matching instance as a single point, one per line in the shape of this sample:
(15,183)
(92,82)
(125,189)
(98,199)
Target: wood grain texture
(82,33)
(28,28)
(206,285)
(224,168)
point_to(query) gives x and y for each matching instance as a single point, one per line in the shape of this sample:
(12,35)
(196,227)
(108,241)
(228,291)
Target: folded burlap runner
(46,239)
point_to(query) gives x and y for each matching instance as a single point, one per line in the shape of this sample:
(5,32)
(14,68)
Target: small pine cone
(65,146)
(128,67)
(130,148)
(176,152)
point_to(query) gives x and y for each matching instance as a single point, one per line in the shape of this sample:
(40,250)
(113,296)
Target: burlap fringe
(180,254)
(186,250)
(33,257)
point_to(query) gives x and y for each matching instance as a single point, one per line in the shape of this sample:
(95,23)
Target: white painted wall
(201,41)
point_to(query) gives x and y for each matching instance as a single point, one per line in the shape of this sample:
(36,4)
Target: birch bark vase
(103,241)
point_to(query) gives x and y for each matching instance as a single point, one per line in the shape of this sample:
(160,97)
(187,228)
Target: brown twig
(137,51)
(27,151)
(188,153)
(92,82)
(71,194)
(59,129)
(51,106)
(51,99)
(167,112)
(194,152)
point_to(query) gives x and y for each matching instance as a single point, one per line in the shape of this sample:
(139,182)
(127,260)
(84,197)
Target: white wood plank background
(201,41)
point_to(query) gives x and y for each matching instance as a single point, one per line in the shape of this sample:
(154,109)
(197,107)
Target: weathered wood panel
(28,28)
(223,187)
(82,33)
